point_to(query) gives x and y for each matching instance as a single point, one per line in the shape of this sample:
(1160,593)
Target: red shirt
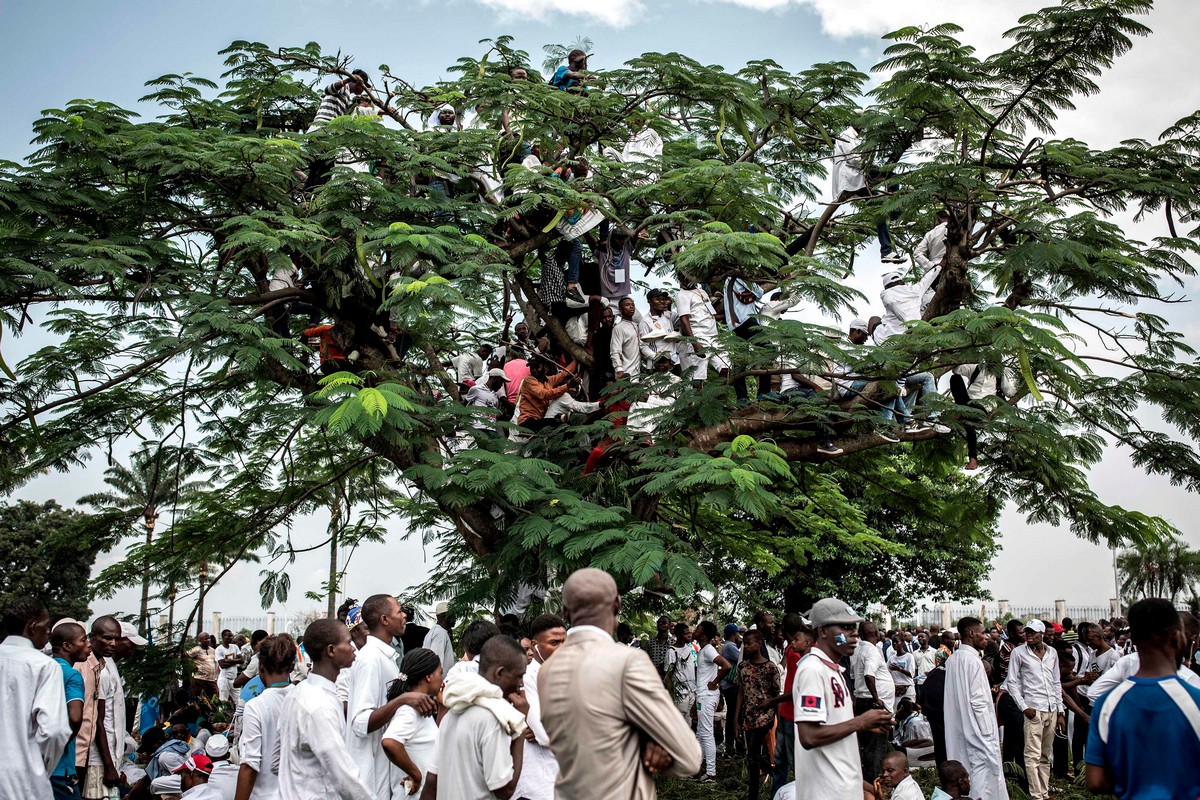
(792,658)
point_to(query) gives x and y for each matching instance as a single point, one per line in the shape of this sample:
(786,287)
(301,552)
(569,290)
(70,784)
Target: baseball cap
(1035,625)
(731,628)
(196,762)
(441,608)
(217,746)
(497,373)
(1058,628)
(890,277)
(859,324)
(832,611)
(68,621)
(353,617)
(129,632)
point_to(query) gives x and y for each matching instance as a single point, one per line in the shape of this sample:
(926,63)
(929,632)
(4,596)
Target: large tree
(145,247)
(47,553)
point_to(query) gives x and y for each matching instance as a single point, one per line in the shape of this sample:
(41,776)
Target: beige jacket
(600,702)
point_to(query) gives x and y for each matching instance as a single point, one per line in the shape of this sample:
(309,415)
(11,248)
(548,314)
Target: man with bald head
(610,721)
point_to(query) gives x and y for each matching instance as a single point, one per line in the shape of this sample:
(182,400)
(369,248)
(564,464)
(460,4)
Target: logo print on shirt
(810,701)
(839,696)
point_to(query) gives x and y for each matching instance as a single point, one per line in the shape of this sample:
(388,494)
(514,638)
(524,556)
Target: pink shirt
(516,370)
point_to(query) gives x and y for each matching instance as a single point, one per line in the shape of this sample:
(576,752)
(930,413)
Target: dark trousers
(1061,756)
(1079,735)
(958,389)
(1014,736)
(757,761)
(66,787)
(732,742)
(871,746)
(882,231)
(746,331)
(319,172)
(785,752)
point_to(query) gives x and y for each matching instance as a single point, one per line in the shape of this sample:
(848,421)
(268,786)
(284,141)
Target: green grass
(731,785)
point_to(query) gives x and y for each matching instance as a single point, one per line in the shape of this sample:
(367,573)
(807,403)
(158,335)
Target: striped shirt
(335,102)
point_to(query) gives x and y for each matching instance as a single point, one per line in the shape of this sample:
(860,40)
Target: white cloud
(614,13)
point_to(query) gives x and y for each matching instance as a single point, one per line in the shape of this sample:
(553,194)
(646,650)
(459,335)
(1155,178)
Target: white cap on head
(495,372)
(890,277)
(129,632)
(217,746)
(441,608)
(68,621)
(1035,625)
(859,324)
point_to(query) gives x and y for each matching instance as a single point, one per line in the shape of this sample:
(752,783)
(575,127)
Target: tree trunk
(335,523)
(171,611)
(200,603)
(144,613)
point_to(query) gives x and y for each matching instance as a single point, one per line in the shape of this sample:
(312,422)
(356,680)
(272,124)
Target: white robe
(972,736)
(847,164)
(33,719)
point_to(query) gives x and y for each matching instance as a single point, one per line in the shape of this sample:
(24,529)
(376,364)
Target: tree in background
(1168,568)
(146,249)
(156,478)
(45,553)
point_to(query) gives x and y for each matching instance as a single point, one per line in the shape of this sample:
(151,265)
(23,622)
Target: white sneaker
(940,428)
(894,257)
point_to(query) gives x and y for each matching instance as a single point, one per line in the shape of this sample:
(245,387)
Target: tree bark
(144,613)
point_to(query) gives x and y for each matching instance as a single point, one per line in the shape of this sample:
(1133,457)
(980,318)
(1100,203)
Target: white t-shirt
(476,750)
(682,660)
(905,660)
(1107,660)
(907,789)
(258,744)
(111,690)
(695,305)
(820,694)
(869,661)
(419,735)
(706,668)
(227,651)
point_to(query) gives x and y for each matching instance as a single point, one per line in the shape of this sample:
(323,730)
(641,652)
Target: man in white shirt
(368,710)
(1035,686)
(539,768)
(438,639)
(972,735)
(902,666)
(224,773)
(925,656)
(901,302)
(850,180)
(469,366)
(711,669)
(626,345)
(229,660)
(681,667)
(194,775)
(895,775)
(33,717)
(313,761)
(931,250)
(873,688)
(657,328)
(698,321)
(828,765)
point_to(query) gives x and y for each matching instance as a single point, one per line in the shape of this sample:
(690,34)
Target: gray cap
(832,611)
(860,324)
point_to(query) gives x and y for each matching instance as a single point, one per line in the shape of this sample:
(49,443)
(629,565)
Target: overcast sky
(107,51)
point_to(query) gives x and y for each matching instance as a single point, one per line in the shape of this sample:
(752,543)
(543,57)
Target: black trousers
(958,389)
(871,746)
(732,742)
(746,331)
(757,761)
(1014,736)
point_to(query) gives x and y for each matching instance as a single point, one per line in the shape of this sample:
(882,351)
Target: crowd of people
(643,357)
(821,706)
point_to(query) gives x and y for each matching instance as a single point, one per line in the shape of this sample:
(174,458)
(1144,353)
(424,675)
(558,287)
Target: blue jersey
(73,690)
(1146,734)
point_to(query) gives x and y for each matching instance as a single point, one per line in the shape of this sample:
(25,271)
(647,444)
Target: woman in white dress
(410,739)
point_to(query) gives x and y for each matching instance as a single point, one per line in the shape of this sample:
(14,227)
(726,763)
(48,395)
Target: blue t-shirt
(1152,748)
(560,79)
(73,686)
(252,689)
(733,654)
